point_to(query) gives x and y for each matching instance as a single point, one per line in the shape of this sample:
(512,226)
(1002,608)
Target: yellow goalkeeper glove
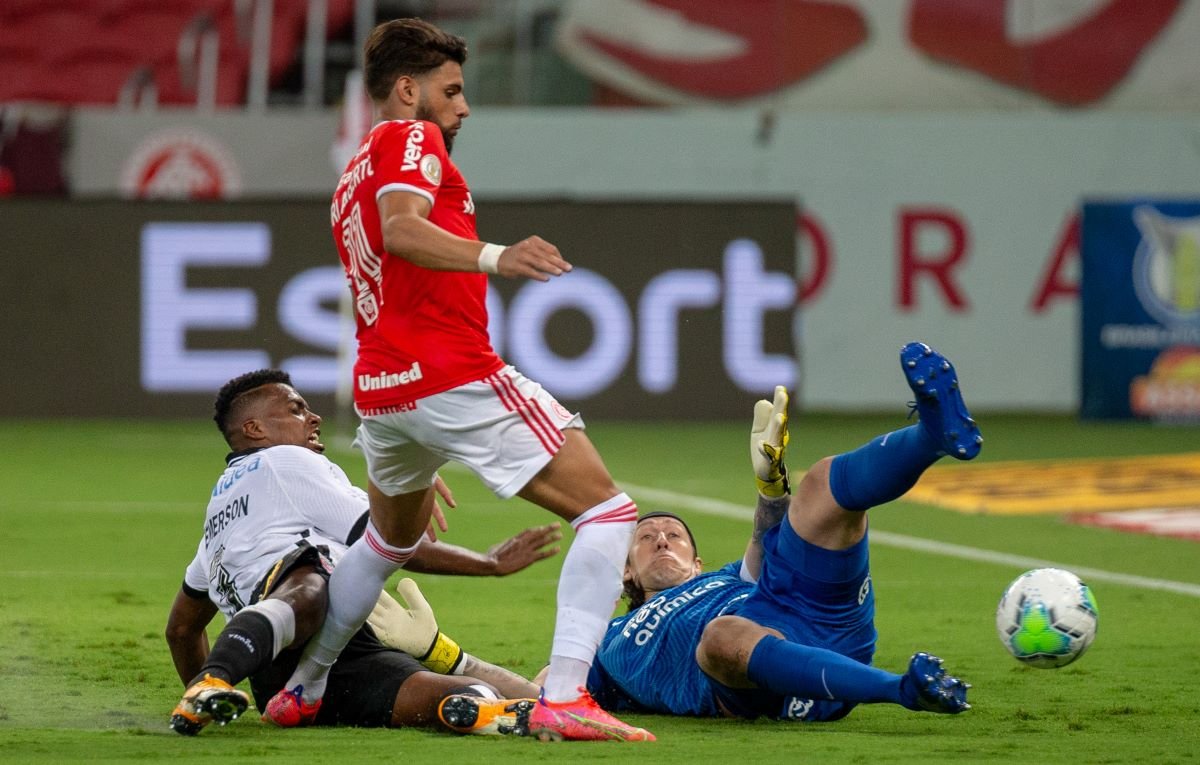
(414,629)
(768,444)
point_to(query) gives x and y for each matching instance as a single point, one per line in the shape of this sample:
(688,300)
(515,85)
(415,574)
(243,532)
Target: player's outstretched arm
(508,557)
(186,636)
(768,447)
(531,258)
(408,234)
(508,683)
(413,628)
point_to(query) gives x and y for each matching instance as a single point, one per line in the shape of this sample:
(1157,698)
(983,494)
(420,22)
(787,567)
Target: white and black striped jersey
(266,503)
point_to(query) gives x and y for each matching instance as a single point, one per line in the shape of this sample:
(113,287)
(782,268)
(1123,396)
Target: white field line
(723,509)
(119,505)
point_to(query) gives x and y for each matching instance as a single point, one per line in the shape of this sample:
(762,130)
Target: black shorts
(365,679)
(303,554)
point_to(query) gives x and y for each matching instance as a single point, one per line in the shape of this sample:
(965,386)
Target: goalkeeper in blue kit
(787,632)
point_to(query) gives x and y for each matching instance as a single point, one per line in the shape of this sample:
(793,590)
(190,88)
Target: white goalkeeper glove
(768,443)
(414,629)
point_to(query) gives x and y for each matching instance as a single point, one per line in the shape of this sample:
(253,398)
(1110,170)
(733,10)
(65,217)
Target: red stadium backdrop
(676,309)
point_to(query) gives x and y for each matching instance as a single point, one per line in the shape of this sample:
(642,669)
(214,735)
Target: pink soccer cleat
(580,720)
(287,709)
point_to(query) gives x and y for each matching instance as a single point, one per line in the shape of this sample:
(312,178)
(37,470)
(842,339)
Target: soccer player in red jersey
(429,388)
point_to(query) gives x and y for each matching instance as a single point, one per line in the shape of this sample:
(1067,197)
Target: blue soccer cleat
(927,688)
(939,403)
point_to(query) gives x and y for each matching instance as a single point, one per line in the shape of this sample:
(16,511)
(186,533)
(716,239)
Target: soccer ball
(1047,618)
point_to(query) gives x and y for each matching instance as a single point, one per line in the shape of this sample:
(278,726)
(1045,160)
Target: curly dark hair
(406,47)
(227,397)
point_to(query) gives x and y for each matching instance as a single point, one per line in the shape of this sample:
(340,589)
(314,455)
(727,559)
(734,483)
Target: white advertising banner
(956,229)
(178,154)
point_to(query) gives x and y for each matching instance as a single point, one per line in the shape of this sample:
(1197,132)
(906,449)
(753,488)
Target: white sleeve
(196,575)
(319,491)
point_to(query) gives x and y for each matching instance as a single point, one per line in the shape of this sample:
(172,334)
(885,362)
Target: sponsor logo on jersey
(866,588)
(412,148)
(648,618)
(390,379)
(230,477)
(431,168)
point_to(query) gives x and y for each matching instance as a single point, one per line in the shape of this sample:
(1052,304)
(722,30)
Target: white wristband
(489,258)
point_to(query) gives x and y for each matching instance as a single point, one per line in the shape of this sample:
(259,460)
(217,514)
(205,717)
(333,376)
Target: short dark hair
(406,47)
(231,391)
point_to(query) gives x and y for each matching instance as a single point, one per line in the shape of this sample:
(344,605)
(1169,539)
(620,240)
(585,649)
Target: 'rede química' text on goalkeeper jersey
(649,654)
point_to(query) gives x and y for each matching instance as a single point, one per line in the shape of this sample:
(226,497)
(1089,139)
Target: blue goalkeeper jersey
(647,660)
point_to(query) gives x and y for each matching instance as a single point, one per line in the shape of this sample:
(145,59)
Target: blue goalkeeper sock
(882,469)
(791,669)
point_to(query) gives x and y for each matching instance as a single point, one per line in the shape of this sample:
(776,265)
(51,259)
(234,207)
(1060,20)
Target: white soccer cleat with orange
(205,701)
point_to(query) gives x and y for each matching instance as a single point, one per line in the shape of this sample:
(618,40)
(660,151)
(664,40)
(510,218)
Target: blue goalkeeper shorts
(813,596)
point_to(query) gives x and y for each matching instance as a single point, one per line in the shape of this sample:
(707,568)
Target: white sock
(354,588)
(483,691)
(282,619)
(588,589)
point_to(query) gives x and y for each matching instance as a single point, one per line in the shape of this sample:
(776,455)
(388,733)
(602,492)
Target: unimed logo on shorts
(674,309)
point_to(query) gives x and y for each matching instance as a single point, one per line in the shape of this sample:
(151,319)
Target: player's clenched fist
(532,258)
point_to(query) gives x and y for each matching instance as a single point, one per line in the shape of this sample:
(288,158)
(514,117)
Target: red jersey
(420,331)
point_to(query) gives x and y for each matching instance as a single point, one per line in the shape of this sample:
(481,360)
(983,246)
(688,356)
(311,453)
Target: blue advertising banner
(1140,312)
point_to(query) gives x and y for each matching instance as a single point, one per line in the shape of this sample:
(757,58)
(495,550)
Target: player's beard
(426,114)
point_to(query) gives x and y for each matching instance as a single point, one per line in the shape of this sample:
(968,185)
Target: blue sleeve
(732,569)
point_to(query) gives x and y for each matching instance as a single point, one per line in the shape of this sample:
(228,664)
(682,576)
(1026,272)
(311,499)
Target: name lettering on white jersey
(365,266)
(238,507)
(251,527)
(390,379)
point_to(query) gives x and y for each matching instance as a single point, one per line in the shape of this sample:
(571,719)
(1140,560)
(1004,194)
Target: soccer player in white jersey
(279,517)
(429,388)
(788,631)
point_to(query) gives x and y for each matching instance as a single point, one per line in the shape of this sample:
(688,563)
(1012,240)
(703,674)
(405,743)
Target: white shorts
(504,427)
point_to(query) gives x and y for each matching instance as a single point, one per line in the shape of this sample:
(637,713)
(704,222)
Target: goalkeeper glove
(768,443)
(414,629)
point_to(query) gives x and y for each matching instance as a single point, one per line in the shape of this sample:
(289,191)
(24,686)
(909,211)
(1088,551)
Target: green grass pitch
(99,519)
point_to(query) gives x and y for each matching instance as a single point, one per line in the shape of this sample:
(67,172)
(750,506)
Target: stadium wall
(680,310)
(958,228)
